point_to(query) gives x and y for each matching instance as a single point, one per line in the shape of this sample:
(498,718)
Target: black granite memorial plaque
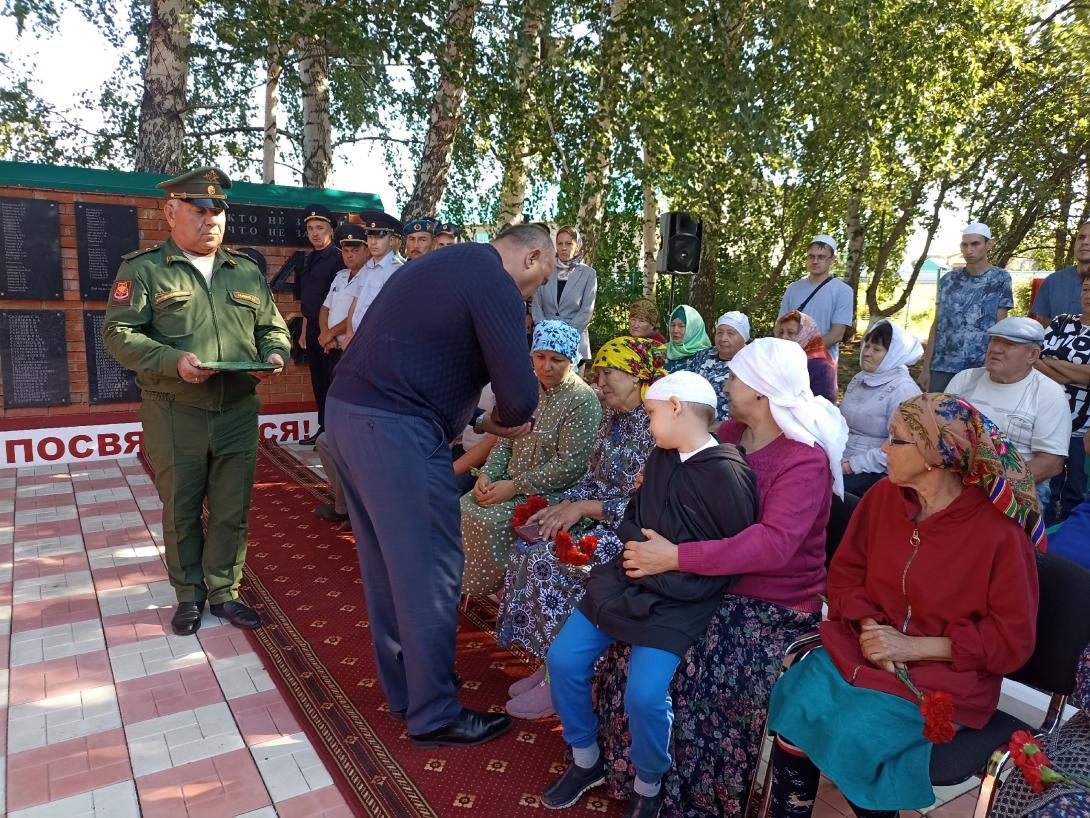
(34,358)
(268,226)
(104,233)
(30,249)
(107,380)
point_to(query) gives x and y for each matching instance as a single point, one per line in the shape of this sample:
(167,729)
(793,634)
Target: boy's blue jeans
(647,702)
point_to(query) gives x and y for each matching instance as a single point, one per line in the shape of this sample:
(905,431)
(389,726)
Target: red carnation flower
(536,503)
(937,708)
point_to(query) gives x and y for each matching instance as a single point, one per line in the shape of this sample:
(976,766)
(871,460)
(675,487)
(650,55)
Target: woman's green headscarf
(695,338)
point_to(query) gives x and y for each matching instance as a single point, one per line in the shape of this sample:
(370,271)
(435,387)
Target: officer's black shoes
(471,727)
(310,441)
(575,781)
(326,512)
(644,806)
(237,614)
(187,618)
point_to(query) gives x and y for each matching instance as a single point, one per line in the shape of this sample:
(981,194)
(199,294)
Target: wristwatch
(478,422)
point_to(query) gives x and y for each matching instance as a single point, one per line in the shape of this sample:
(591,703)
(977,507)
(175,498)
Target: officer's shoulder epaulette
(237,253)
(135,253)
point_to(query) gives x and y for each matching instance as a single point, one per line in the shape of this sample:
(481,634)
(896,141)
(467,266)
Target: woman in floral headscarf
(539,589)
(935,578)
(802,329)
(546,462)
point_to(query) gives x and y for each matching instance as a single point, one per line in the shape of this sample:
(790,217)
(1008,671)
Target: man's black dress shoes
(237,614)
(455,679)
(312,440)
(471,727)
(187,618)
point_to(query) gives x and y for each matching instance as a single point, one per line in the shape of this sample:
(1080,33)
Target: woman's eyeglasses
(896,441)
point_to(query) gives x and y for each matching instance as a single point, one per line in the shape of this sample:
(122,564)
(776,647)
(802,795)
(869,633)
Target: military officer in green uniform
(172,309)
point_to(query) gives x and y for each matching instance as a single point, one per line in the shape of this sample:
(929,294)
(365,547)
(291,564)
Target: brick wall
(291,389)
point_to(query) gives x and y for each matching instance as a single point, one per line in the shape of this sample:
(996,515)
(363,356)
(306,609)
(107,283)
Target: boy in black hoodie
(693,489)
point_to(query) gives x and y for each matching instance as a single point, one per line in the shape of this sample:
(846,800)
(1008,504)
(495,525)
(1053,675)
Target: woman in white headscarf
(872,397)
(731,334)
(793,441)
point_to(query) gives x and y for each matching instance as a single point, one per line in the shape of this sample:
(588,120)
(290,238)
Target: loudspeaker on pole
(679,243)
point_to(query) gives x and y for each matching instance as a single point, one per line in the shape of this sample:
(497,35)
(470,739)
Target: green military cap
(203,187)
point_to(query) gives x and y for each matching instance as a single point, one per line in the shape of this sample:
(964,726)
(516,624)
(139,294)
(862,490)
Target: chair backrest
(1063,626)
(840,514)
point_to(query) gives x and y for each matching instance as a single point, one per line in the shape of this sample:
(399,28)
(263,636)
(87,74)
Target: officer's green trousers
(196,454)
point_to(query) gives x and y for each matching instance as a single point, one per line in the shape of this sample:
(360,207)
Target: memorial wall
(63,232)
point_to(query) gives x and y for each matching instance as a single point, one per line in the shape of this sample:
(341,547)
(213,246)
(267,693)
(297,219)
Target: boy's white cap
(977,229)
(683,385)
(822,238)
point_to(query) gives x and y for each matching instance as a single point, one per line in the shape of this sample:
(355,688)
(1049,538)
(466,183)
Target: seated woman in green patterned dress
(546,462)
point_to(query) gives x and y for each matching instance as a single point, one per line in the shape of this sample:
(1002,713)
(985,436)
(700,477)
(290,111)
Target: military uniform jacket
(160,308)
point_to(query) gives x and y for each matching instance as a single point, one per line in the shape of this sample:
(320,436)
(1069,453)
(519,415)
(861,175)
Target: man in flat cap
(311,287)
(419,235)
(821,295)
(1025,403)
(970,299)
(447,233)
(173,309)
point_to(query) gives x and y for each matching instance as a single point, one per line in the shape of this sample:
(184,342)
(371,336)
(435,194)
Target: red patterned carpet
(303,576)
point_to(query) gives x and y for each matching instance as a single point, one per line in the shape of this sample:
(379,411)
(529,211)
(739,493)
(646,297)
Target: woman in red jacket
(935,577)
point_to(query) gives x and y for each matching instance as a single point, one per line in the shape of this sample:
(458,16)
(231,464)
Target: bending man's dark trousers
(403,503)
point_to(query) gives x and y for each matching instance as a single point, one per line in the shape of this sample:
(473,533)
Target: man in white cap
(1061,292)
(970,299)
(821,295)
(713,363)
(1023,402)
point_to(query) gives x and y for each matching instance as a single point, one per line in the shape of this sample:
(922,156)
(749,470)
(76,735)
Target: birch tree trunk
(446,106)
(163,107)
(853,264)
(272,106)
(596,176)
(516,153)
(650,240)
(317,129)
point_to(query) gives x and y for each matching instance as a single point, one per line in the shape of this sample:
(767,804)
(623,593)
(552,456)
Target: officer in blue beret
(311,288)
(447,233)
(419,237)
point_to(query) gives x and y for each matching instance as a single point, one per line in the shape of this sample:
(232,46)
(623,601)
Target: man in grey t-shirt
(823,297)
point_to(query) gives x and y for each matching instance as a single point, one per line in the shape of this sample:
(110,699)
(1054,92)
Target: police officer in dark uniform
(174,309)
(311,287)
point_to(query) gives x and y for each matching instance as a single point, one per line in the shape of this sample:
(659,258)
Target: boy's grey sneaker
(575,781)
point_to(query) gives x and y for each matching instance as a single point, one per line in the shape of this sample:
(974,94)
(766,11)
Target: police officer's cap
(420,226)
(378,221)
(350,235)
(317,211)
(448,229)
(203,187)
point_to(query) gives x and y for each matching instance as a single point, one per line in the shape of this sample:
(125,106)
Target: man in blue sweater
(442,327)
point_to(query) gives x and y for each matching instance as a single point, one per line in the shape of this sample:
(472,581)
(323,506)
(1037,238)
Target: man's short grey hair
(528,236)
